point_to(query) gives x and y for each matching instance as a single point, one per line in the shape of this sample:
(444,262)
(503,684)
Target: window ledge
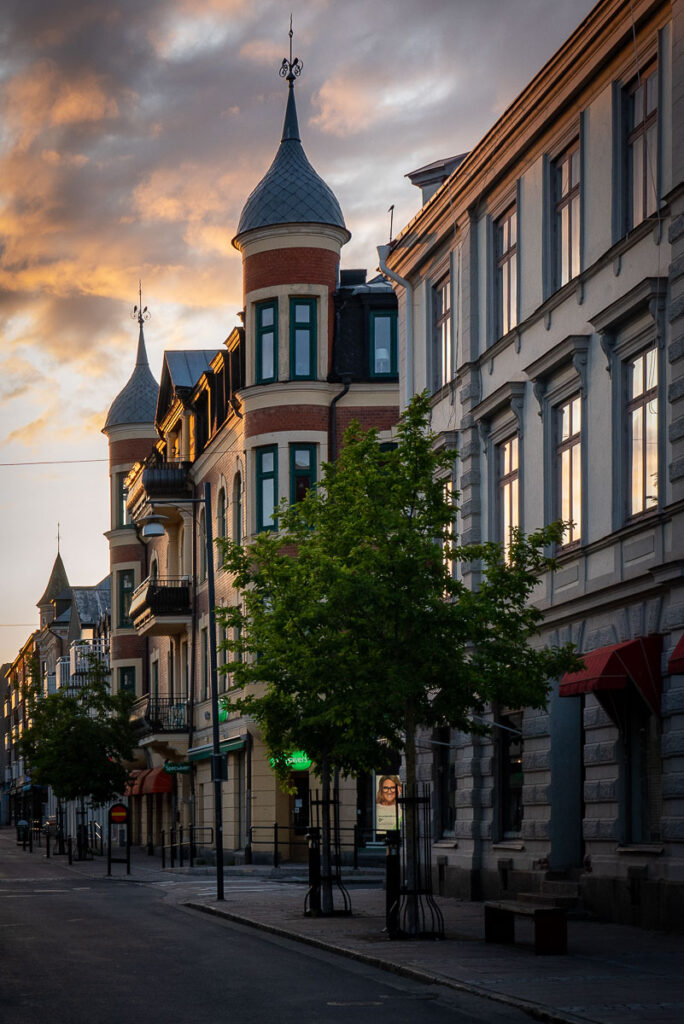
(642,849)
(512,845)
(445,844)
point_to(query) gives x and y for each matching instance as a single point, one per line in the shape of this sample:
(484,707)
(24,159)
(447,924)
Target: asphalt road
(78,950)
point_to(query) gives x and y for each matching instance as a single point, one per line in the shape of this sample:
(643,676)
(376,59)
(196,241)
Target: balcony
(167,480)
(161,606)
(82,652)
(159,715)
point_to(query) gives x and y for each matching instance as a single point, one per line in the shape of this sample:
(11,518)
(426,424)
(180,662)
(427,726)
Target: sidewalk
(612,974)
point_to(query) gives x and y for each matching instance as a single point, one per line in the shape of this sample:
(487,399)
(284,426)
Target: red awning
(157,781)
(675,665)
(135,781)
(613,667)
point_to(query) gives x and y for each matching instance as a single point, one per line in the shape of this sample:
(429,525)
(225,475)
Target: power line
(54,462)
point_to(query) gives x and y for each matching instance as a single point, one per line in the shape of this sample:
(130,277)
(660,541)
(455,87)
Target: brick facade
(304,265)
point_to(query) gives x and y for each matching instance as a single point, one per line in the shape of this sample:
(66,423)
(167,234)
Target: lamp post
(218,773)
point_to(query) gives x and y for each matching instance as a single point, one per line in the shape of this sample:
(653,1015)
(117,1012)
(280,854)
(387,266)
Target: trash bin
(22,831)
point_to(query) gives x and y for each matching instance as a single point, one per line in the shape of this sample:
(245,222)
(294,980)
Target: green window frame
(127,679)
(303,339)
(383,343)
(267,487)
(266,315)
(126,586)
(302,470)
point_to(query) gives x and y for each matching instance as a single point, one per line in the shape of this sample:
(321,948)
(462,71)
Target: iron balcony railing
(160,714)
(160,596)
(82,652)
(167,480)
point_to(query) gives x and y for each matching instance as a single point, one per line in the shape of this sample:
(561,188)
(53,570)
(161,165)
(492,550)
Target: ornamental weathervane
(290,69)
(140,314)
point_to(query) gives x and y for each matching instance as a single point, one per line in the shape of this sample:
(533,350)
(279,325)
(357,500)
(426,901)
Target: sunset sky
(131,133)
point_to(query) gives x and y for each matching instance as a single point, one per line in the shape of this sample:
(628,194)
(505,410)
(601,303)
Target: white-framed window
(641,413)
(508,489)
(641,145)
(507,271)
(568,474)
(441,333)
(567,219)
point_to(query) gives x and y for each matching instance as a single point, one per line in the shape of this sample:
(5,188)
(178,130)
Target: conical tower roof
(291,192)
(57,583)
(137,401)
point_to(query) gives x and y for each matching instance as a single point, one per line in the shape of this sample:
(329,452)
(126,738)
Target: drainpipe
(332,431)
(383,253)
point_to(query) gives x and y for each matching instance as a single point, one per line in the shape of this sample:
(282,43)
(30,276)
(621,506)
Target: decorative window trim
(621,198)
(259,331)
(628,326)
(312,325)
(263,524)
(313,452)
(648,298)
(499,417)
(558,375)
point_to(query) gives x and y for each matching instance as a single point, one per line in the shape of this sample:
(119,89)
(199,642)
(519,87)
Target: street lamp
(154,528)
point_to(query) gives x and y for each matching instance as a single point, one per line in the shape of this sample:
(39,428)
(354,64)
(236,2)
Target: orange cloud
(189,192)
(43,96)
(17,377)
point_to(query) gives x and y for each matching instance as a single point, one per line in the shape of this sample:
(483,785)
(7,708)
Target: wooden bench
(550,924)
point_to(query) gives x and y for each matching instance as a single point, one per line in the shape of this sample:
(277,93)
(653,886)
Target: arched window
(154,568)
(202,547)
(237,509)
(221,525)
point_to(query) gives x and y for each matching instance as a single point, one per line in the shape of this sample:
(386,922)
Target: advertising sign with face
(387,810)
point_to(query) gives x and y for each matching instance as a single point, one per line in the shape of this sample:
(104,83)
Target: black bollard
(392,882)
(313,896)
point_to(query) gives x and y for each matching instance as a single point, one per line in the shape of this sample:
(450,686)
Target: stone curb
(535,1010)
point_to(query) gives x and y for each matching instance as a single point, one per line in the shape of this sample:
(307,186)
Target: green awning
(204,752)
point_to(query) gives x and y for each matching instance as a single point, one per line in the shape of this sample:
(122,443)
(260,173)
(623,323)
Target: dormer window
(383,343)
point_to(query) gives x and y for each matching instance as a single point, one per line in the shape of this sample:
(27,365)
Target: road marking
(355,1004)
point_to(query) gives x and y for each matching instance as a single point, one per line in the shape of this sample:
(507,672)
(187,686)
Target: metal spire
(140,314)
(290,69)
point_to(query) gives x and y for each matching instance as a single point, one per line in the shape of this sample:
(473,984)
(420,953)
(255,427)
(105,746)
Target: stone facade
(555,247)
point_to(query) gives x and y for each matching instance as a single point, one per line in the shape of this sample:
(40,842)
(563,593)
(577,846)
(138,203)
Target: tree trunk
(326,842)
(411,836)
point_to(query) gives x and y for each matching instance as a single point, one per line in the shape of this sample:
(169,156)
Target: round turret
(137,401)
(291,192)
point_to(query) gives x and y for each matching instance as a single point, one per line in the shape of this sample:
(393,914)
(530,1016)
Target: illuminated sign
(297,761)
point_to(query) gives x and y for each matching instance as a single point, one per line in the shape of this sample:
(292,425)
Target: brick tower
(130,432)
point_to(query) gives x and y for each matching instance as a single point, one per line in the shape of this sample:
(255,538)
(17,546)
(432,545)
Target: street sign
(118,814)
(176,767)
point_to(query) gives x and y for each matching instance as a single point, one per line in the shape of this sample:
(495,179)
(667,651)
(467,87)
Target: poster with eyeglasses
(387,809)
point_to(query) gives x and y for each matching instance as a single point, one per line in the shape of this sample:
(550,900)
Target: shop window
(509,742)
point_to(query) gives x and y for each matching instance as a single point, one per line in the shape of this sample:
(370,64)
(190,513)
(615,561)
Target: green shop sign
(298,761)
(174,768)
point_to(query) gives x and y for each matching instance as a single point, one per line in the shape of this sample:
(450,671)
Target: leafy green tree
(366,635)
(78,738)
